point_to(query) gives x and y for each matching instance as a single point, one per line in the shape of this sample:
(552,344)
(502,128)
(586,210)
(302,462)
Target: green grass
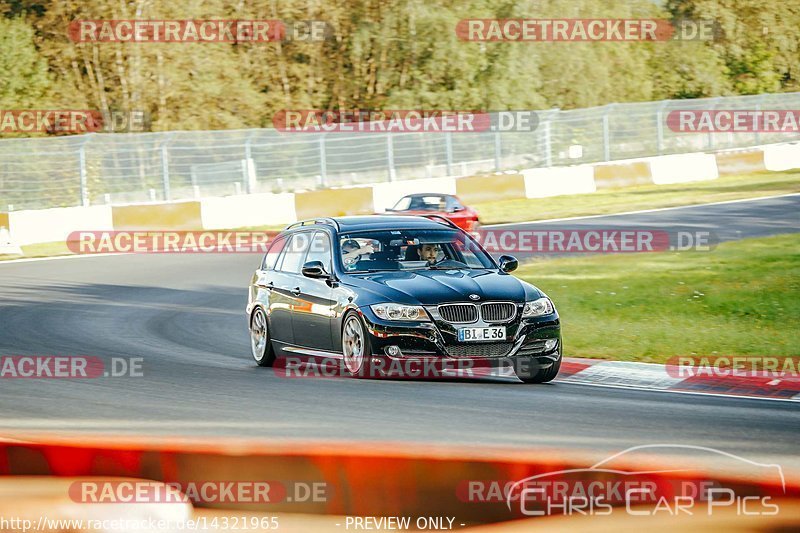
(743,298)
(644,197)
(45,249)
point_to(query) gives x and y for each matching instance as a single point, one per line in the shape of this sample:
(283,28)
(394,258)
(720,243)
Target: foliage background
(384,54)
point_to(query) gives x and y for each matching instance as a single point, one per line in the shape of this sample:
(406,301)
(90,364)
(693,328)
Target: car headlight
(399,312)
(542,306)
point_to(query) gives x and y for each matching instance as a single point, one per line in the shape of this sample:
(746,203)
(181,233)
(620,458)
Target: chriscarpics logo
(647,480)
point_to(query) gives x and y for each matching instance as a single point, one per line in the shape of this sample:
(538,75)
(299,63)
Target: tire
(356,349)
(537,375)
(260,342)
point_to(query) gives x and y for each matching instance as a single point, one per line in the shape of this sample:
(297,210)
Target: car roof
(421,194)
(376,222)
(355,223)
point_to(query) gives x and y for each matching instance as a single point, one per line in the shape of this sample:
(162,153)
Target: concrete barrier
(544,182)
(51,225)
(175,215)
(247,210)
(334,202)
(386,195)
(682,168)
(740,162)
(780,157)
(608,176)
(476,189)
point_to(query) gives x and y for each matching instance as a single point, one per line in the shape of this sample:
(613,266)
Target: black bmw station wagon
(370,290)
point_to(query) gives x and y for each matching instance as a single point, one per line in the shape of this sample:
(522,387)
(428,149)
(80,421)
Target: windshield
(411,249)
(421,203)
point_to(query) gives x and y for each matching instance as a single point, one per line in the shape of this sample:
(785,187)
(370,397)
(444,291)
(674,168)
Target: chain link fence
(94,169)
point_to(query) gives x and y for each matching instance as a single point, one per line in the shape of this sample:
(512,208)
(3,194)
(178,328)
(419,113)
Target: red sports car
(445,205)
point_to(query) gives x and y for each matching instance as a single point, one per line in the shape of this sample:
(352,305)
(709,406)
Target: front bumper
(437,339)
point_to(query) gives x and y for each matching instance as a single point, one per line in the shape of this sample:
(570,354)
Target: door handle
(266,286)
(296,291)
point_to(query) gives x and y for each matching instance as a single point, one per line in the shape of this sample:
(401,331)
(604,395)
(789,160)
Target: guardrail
(268,209)
(114,169)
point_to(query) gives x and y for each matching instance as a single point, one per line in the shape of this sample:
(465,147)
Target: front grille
(459,313)
(498,312)
(497,349)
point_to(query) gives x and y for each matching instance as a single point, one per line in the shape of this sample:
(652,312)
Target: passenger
(352,251)
(429,253)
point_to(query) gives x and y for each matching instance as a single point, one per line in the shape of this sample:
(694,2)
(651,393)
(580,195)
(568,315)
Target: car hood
(430,287)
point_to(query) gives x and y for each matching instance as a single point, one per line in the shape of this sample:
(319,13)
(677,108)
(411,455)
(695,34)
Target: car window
(421,203)
(273,253)
(411,249)
(403,204)
(295,253)
(320,250)
(357,249)
(428,203)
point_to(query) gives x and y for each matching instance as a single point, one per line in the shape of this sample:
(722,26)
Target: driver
(352,251)
(429,253)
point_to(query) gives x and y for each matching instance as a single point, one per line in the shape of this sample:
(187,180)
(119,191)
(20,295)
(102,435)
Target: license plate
(482,334)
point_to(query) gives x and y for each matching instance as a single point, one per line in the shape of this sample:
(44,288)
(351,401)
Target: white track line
(632,387)
(55,257)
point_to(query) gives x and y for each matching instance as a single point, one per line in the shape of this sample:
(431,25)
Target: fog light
(393,351)
(550,344)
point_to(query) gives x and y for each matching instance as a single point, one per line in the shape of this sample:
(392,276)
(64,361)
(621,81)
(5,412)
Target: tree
(26,81)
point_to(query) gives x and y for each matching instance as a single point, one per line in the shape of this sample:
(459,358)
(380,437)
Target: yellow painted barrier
(740,162)
(334,202)
(474,189)
(178,215)
(622,175)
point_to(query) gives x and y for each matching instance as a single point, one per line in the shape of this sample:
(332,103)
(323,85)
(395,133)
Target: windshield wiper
(437,267)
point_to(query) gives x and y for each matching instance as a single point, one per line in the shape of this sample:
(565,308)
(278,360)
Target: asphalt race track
(184,315)
(714,223)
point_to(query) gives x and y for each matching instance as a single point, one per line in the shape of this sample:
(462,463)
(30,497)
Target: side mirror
(457,209)
(508,263)
(315,270)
